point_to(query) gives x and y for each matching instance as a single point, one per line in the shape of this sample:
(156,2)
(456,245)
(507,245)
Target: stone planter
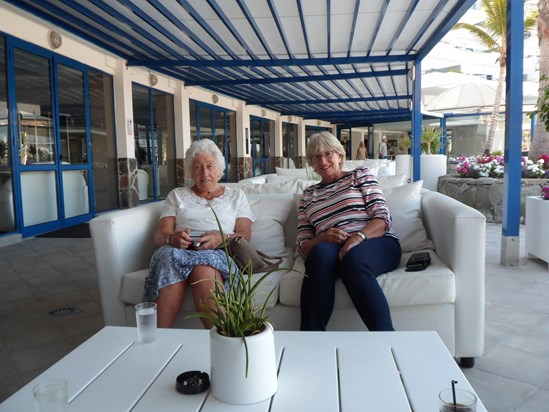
(486,194)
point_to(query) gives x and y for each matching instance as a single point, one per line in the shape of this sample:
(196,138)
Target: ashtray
(192,382)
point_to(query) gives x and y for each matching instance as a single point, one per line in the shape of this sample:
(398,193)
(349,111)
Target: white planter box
(537,235)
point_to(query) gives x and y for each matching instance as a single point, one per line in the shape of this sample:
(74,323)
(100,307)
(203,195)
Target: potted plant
(430,139)
(404,143)
(242,350)
(432,164)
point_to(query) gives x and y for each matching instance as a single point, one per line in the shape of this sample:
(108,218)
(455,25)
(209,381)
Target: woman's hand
(334,235)
(350,243)
(209,240)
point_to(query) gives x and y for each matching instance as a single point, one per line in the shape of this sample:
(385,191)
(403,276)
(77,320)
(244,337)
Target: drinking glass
(51,396)
(145,315)
(465,401)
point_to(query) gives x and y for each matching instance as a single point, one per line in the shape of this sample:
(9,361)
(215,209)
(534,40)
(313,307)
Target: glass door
(217,124)
(261,145)
(53,143)
(289,145)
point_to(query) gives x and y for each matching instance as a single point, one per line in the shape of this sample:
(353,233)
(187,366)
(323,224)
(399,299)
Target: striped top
(349,204)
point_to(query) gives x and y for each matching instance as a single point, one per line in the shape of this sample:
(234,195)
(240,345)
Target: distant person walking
(361,151)
(383,148)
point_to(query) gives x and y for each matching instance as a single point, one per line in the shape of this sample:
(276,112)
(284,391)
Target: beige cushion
(404,204)
(435,285)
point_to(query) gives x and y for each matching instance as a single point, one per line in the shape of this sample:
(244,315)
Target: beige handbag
(245,255)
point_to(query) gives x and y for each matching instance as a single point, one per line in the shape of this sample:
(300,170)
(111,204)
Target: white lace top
(194,212)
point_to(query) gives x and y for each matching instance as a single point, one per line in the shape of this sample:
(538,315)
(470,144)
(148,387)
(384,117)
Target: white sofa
(448,297)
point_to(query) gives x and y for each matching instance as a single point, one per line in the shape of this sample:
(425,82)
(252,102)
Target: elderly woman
(344,231)
(178,262)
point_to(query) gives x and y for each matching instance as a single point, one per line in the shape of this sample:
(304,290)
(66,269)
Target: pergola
(349,62)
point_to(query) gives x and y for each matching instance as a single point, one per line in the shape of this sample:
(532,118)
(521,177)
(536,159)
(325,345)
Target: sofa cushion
(300,172)
(131,291)
(435,285)
(390,181)
(404,204)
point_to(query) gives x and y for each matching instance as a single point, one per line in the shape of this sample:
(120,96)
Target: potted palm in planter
(403,162)
(242,350)
(432,164)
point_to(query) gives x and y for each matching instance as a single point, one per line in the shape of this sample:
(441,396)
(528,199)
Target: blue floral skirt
(171,265)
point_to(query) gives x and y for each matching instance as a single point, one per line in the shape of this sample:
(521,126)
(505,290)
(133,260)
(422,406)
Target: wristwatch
(362,235)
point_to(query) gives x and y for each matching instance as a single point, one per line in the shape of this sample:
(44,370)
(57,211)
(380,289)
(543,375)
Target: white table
(319,371)
(537,236)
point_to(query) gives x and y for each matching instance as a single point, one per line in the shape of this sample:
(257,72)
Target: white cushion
(389,181)
(432,286)
(404,204)
(292,185)
(268,237)
(300,172)
(131,291)
(276,179)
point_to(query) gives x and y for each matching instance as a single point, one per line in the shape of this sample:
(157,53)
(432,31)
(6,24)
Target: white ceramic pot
(403,166)
(228,367)
(431,167)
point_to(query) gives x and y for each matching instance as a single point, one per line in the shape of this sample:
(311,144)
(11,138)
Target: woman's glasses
(324,155)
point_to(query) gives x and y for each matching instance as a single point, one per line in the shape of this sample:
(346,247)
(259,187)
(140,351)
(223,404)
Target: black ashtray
(192,382)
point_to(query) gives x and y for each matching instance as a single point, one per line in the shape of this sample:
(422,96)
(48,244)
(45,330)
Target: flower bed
(492,166)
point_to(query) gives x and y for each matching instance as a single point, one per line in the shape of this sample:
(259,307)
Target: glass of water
(51,396)
(145,315)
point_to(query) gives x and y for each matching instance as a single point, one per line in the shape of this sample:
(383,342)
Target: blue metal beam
(288,102)
(453,17)
(513,119)
(313,61)
(319,78)
(417,122)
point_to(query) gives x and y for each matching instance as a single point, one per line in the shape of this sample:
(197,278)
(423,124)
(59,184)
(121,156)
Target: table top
(318,371)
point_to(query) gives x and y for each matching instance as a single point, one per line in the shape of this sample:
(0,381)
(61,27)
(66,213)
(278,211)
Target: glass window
(34,107)
(105,167)
(7,220)
(154,136)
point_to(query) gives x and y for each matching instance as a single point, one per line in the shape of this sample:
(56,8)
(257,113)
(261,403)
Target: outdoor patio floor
(43,274)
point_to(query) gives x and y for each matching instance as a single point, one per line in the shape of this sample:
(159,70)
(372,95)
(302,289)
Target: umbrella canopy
(465,96)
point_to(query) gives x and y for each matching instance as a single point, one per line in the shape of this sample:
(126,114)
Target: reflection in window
(105,176)
(7,218)
(72,115)
(154,136)
(32,83)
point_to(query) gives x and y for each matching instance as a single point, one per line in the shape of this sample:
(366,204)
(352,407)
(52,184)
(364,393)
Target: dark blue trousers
(358,270)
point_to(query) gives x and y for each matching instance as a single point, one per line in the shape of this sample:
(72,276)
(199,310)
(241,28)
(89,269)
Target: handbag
(418,261)
(245,255)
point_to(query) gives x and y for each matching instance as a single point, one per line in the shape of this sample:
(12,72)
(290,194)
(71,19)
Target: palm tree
(492,33)
(540,144)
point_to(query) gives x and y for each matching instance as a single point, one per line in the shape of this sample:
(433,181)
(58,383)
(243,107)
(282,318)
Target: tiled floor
(40,275)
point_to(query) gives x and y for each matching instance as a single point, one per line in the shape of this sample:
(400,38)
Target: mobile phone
(195,238)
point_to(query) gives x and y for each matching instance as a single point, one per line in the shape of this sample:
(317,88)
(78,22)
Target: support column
(510,244)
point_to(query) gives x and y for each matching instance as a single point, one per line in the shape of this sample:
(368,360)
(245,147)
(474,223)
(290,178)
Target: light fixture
(263,113)
(318,123)
(54,39)
(153,80)
(290,118)
(215,98)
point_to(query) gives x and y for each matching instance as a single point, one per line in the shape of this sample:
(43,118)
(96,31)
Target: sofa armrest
(123,242)
(459,235)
